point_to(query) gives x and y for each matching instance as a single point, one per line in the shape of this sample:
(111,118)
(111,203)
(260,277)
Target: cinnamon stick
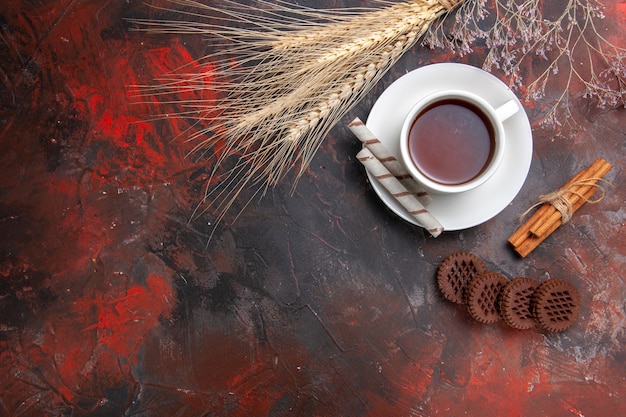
(575,195)
(532,241)
(547,218)
(518,237)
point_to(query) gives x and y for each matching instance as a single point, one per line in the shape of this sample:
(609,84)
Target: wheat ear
(296,72)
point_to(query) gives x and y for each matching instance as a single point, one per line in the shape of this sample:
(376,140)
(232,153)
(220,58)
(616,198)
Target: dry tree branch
(563,35)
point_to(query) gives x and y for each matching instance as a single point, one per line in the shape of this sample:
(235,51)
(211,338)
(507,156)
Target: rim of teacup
(475,182)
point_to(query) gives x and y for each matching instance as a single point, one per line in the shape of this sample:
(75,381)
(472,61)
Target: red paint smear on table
(127,151)
(96,326)
(620,8)
(198,91)
(616,19)
(124,319)
(133,152)
(87,346)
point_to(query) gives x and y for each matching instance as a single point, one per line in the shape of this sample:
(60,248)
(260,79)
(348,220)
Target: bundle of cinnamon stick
(558,207)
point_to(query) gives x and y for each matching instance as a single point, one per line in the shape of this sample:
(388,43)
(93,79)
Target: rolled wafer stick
(399,192)
(380,151)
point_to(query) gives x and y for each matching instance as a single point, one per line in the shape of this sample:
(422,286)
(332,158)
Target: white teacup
(452,141)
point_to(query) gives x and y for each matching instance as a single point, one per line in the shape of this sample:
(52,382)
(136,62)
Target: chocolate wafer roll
(399,192)
(394,166)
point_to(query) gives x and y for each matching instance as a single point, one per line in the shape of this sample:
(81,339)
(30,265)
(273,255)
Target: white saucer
(464,210)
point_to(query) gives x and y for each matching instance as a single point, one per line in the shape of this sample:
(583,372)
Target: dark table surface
(319,302)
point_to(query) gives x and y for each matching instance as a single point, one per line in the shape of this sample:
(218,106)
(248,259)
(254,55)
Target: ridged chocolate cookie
(455,272)
(515,303)
(481,296)
(555,305)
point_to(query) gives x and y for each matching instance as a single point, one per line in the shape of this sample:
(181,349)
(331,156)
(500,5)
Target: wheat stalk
(296,72)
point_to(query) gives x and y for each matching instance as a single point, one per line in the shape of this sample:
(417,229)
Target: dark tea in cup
(451,141)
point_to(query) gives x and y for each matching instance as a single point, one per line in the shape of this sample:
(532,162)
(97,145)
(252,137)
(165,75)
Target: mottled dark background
(316,303)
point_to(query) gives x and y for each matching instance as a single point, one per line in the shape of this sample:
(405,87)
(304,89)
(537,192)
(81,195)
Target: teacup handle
(507,110)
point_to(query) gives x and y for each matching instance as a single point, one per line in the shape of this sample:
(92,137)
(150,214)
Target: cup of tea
(452,141)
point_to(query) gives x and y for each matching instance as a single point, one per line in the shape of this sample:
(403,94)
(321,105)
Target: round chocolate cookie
(515,300)
(481,296)
(455,272)
(555,305)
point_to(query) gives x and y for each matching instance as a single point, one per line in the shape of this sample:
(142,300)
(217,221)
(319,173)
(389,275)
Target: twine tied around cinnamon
(558,207)
(558,199)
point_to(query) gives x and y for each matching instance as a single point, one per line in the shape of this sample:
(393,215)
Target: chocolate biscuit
(481,296)
(555,305)
(455,272)
(515,300)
